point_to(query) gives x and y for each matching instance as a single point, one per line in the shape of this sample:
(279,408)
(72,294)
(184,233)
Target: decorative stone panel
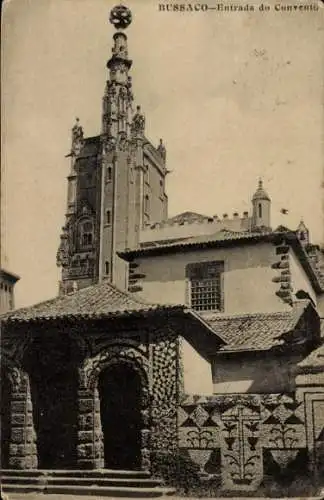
(246,437)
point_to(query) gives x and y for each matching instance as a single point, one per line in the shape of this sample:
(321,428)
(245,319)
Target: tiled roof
(209,240)
(259,331)
(98,300)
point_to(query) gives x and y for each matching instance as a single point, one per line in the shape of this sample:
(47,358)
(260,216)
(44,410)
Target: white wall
(248,285)
(197,372)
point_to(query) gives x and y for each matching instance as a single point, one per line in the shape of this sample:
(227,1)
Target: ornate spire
(118,95)
(120,18)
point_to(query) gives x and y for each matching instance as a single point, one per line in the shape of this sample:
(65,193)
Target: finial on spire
(161,149)
(77,137)
(138,123)
(120,17)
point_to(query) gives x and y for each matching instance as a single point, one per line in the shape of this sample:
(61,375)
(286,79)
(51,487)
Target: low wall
(245,440)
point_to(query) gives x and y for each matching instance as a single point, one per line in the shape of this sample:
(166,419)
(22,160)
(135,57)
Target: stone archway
(94,377)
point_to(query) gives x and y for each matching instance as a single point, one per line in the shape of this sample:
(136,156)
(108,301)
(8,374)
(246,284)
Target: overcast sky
(235,96)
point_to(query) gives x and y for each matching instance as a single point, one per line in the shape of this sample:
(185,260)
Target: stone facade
(59,358)
(150,351)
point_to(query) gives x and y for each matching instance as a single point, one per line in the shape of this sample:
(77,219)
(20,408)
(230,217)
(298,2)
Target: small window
(206,285)
(147,175)
(146,204)
(106,268)
(109,174)
(161,187)
(108,217)
(260,210)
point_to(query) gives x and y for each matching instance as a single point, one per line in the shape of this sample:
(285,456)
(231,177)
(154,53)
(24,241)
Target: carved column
(22,447)
(90,437)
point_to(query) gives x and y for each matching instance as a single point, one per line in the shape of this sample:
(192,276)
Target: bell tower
(116,184)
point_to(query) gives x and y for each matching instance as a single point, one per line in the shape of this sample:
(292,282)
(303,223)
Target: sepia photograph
(162,249)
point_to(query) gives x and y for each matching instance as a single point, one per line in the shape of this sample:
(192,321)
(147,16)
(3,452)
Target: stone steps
(110,483)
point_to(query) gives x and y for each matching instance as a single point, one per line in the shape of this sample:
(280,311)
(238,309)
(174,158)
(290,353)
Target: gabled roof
(256,332)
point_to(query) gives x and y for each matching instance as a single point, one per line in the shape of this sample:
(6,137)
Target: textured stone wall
(90,442)
(165,390)
(22,447)
(246,438)
(154,356)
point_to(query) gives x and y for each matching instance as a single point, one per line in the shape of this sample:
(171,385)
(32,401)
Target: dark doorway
(54,386)
(5,415)
(120,408)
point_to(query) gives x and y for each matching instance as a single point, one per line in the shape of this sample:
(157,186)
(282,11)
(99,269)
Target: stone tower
(116,184)
(261,207)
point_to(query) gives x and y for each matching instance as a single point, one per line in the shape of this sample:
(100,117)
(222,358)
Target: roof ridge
(105,284)
(221,316)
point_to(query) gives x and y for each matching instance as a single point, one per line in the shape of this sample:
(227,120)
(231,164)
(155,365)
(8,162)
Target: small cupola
(261,206)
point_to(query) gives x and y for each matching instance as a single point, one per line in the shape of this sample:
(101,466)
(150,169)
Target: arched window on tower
(85,234)
(146,204)
(260,210)
(109,174)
